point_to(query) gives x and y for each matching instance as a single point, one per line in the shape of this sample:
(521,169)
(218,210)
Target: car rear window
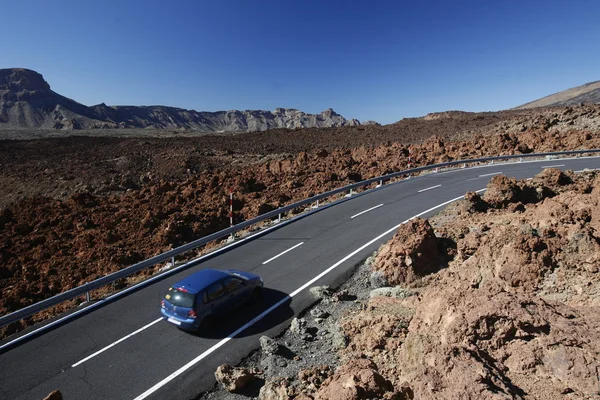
(180,298)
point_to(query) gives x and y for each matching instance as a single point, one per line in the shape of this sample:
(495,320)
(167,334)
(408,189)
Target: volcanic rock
(234,379)
(268,345)
(358,379)
(412,253)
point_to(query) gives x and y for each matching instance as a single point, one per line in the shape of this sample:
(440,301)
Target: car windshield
(180,298)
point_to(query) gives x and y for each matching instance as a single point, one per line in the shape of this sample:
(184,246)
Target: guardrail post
(173,262)
(317,203)
(492,162)
(87,295)
(279,218)
(520,159)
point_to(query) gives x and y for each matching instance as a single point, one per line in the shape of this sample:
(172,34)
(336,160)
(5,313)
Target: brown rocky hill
(588,93)
(26,101)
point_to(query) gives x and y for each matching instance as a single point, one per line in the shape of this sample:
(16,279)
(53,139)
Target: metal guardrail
(169,255)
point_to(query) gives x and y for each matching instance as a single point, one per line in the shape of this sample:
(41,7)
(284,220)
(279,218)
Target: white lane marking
(280,254)
(280,302)
(586,170)
(553,166)
(362,212)
(115,343)
(433,187)
(494,173)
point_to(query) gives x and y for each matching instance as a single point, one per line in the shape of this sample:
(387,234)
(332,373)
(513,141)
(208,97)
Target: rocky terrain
(26,101)
(495,297)
(107,203)
(588,93)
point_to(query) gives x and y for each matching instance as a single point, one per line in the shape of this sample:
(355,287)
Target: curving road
(125,351)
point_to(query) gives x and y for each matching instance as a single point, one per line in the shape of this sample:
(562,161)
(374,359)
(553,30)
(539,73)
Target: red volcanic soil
(79,207)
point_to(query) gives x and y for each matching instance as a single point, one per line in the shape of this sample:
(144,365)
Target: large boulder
(277,389)
(234,379)
(501,191)
(357,379)
(412,253)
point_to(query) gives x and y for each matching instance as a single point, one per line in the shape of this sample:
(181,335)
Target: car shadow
(225,326)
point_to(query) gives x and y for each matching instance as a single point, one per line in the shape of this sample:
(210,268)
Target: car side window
(232,283)
(214,291)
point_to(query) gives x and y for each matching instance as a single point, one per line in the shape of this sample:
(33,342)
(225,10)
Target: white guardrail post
(170,255)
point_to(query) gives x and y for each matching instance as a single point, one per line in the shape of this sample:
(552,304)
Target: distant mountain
(26,101)
(588,93)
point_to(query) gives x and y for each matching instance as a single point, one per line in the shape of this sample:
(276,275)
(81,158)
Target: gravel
(311,340)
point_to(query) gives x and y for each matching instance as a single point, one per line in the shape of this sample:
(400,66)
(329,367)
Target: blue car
(196,301)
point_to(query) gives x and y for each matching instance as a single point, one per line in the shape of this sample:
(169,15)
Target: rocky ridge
(26,101)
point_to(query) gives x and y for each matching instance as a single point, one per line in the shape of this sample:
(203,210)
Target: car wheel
(256,294)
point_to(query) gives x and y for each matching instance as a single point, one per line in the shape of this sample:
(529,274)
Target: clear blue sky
(378,60)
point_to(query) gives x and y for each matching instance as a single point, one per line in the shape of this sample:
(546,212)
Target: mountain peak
(19,79)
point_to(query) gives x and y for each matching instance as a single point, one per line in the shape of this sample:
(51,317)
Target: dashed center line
(429,188)
(362,212)
(116,343)
(553,166)
(280,302)
(282,253)
(493,173)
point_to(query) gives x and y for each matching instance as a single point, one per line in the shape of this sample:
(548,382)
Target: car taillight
(162,303)
(192,314)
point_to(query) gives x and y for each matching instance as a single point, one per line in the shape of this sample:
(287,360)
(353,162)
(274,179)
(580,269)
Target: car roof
(200,280)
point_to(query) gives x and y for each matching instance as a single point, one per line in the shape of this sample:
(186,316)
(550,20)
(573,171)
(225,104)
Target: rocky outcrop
(233,121)
(26,101)
(412,253)
(490,343)
(234,379)
(358,379)
(512,315)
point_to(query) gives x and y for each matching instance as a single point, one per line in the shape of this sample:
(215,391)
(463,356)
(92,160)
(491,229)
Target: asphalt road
(125,351)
